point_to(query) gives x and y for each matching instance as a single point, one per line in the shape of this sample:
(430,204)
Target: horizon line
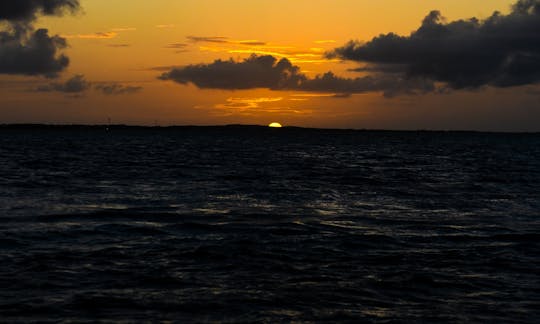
(77,125)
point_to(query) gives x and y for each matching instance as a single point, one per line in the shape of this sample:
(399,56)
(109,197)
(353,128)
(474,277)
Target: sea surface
(249,224)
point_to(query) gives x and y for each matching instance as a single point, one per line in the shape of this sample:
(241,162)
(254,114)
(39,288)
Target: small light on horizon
(275,125)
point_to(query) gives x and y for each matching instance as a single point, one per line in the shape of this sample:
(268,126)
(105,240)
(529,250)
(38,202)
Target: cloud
(113,33)
(177,45)
(32,53)
(26,51)
(76,84)
(224,40)
(253,72)
(307,96)
(390,86)
(98,35)
(213,39)
(113,89)
(500,51)
(380,68)
(270,73)
(118,45)
(28,10)
(250,42)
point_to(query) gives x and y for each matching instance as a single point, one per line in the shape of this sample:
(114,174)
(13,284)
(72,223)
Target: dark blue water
(244,224)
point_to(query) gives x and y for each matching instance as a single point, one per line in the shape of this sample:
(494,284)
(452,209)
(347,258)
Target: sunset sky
(448,64)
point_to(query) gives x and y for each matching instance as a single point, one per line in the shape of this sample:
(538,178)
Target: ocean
(249,224)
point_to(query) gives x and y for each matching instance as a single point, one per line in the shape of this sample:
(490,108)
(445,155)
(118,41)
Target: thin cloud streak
(224,40)
(176,45)
(118,45)
(98,35)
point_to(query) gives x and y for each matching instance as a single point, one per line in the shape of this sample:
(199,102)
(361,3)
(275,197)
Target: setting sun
(275,125)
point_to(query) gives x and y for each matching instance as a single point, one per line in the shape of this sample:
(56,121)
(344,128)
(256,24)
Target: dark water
(259,225)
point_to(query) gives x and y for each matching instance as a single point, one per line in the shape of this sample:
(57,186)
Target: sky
(388,64)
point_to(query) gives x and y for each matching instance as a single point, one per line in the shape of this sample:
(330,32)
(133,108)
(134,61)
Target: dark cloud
(76,84)
(253,72)
(501,51)
(24,50)
(390,86)
(28,10)
(271,73)
(380,68)
(32,53)
(112,89)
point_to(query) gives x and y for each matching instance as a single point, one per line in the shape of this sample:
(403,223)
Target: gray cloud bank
(270,73)
(113,89)
(78,85)
(500,51)
(24,50)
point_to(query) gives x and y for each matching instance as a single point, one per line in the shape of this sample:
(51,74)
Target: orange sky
(130,42)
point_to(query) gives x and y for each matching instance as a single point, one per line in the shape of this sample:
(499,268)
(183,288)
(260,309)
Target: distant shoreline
(234,127)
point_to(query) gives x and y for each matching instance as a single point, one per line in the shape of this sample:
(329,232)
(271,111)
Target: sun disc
(275,125)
